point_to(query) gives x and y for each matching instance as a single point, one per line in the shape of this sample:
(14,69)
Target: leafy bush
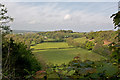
(70,41)
(89,45)
(77,69)
(17,60)
(102,50)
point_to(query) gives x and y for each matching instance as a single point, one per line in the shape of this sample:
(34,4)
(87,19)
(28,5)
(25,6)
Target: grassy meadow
(80,40)
(60,52)
(50,45)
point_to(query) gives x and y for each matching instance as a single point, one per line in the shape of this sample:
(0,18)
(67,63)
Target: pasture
(49,45)
(80,40)
(52,53)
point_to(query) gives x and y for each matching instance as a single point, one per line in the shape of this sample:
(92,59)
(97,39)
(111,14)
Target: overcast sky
(76,16)
(60,0)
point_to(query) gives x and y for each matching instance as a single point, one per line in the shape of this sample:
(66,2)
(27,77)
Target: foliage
(4,19)
(18,62)
(89,45)
(70,41)
(102,50)
(115,48)
(38,40)
(91,35)
(100,36)
(116,18)
(116,45)
(76,69)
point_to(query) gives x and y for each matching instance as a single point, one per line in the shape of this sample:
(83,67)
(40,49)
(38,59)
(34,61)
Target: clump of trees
(71,42)
(115,46)
(60,35)
(77,69)
(100,36)
(39,40)
(36,38)
(102,50)
(89,45)
(18,62)
(4,19)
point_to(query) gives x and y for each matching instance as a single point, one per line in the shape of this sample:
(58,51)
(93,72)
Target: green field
(49,40)
(59,56)
(80,40)
(65,55)
(48,45)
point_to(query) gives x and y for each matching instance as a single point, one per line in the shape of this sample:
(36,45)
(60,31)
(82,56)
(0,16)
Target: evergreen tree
(116,46)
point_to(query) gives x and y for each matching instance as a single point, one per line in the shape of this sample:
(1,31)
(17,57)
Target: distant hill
(24,31)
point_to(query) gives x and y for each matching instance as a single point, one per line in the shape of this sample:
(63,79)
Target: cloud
(60,0)
(32,22)
(67,16)
(50,16)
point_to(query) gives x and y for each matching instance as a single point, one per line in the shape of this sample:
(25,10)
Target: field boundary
(53,48)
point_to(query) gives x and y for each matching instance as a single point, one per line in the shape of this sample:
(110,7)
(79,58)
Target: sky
(59,0)
(50,16)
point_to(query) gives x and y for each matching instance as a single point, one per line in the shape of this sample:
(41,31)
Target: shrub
(76,69)
(101,49)
(89,45)
(18,61)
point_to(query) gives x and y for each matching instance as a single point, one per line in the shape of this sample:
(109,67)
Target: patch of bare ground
(106,42)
